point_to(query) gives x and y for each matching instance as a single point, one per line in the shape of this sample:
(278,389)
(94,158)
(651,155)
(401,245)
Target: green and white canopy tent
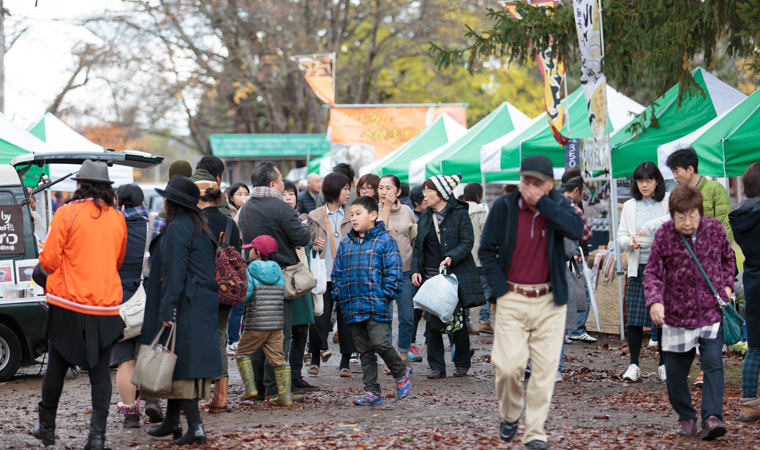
(463,156)
(322,165)
(630,149)
(16,141)
(504,155)
(61,138)
(726,145)
(444,130)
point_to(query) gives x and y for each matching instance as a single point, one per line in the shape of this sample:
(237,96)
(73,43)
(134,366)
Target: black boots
(195,435)
(170,425)
(97,438)
(45,429)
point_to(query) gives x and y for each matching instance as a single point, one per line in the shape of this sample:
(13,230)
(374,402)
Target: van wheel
(10,353)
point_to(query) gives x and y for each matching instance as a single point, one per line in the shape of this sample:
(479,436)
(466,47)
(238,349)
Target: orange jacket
(83,253)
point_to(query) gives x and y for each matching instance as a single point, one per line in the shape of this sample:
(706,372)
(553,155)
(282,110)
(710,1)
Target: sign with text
(11,229)
(573,154)
(385,129)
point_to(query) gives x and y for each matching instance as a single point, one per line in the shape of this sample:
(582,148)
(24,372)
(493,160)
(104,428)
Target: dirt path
(592,408)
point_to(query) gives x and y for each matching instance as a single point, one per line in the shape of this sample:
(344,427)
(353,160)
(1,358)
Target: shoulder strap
(245,217)
(701,269)
(329,232)
(228,231)
(148,235)
(435,224)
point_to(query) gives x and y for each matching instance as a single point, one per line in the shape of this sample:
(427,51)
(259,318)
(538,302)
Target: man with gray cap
(523,259)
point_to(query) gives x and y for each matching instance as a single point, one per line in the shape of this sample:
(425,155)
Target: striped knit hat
(446,185)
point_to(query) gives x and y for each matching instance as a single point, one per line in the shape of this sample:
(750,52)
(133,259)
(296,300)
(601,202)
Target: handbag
(154,370)
(299,280)
(578,287)
(39,275)
(732,321)
(132,311)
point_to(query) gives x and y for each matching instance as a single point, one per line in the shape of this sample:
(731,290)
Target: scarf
(264,191)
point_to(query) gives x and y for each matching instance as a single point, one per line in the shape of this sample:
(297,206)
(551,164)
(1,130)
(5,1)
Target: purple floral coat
(673,279)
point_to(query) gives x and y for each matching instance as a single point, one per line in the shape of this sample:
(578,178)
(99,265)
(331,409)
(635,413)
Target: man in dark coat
(266,214)
(523,259)
(307,199)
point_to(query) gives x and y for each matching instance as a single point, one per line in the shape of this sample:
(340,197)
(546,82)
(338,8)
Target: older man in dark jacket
(266,214)
(523,259)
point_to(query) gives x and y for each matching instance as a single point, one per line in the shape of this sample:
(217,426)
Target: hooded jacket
(265,308)
(673,278)
(366,276)
(745,222)
(500,232)
(204,175)
(717,203)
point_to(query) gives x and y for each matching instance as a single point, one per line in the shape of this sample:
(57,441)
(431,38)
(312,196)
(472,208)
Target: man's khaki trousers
(527,327)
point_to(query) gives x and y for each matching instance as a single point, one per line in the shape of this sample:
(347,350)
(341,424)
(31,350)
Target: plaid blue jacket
(366,276)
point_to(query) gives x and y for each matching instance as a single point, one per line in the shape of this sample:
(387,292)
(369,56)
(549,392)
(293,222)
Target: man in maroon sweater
(523,259)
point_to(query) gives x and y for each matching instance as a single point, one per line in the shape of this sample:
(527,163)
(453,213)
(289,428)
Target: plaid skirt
(635,303)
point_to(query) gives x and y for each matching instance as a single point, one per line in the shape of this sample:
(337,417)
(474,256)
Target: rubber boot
(282,376)
(219,399)
(45,429)
(246,373)
(97,438)
(153,410)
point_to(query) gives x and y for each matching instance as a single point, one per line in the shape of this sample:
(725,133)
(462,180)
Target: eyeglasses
(366,189)
(693,218)
(646,181)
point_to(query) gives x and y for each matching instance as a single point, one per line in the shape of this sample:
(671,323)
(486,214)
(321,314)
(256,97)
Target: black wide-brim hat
(182,191)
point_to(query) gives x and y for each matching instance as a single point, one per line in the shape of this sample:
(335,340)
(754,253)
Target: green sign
(269,145)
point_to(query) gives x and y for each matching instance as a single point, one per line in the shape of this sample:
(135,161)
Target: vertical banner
(553,73)
(595,154)
(319,72)
(593,81)
(11,229)
(573,154)
(377,131)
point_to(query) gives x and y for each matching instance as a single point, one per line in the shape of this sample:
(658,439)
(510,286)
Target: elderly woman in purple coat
(679,299)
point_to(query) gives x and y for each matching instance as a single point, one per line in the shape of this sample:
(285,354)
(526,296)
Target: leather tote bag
(299,281)
(154,370)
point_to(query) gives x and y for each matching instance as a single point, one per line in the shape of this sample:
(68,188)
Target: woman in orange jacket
(83,253)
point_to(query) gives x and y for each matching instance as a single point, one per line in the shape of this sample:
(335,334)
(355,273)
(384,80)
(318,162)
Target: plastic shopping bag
(439,296)
(319,269)
(319,305)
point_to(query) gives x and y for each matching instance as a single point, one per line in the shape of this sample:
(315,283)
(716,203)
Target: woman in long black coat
(454,249)
(745,221)
(182,292)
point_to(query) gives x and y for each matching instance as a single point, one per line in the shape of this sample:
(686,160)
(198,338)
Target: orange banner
(385,129)
(318,70)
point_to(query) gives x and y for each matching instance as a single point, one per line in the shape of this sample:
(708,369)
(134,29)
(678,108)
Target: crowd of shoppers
(380,242)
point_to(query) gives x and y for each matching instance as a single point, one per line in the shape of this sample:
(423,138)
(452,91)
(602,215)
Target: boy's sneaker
(368,399)
(403,385)
(232,348)
(414,354)
(303,384)
(584,337)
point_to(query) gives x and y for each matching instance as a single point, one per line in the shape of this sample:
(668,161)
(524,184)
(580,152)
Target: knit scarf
(264,191)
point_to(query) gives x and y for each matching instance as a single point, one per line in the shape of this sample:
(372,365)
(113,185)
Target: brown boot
(749,409)
(219,400)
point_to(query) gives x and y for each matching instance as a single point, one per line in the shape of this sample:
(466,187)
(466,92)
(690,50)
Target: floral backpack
(230,271)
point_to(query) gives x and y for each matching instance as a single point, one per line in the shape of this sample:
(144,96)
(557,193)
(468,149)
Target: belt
(530,291)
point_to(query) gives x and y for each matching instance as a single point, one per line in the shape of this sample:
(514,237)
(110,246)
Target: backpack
(230,271)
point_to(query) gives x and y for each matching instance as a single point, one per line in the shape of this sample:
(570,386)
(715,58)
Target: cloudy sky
(40,62)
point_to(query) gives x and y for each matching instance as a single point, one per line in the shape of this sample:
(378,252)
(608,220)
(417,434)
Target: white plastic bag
(319,269)
(319,305)
(439,296)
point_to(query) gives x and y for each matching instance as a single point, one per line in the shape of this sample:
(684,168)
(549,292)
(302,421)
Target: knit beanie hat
(446,185)
(180,168)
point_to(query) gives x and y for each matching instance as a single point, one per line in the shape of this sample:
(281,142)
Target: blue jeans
(235,323)
(582,316)
(750,372)
(485,310)
(405,305)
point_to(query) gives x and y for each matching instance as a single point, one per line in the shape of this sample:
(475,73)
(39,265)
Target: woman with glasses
(368,185)
(642,215)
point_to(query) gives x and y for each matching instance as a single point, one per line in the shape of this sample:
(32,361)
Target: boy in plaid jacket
(366,279)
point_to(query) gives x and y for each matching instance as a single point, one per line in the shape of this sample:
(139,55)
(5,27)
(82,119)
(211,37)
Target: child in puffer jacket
(264,320)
